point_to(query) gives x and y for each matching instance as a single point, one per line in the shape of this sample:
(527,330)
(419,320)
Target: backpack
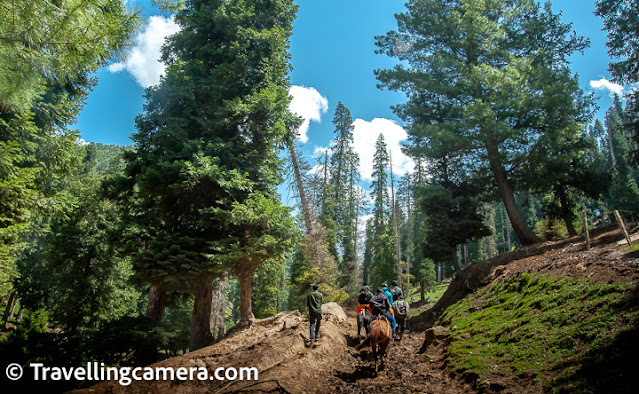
(401,308)
(396,291)
(377,304)
(364,297)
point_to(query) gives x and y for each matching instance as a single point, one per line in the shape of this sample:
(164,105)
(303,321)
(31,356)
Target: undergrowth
(555,333)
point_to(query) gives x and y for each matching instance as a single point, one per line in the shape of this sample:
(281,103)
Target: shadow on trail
(361,372)
(351,340)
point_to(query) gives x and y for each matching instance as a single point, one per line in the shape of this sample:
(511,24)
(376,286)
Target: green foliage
(268,291)
(551,230)
(44,80)
(620,20)
(453,218)
(74,269)
(265,231)
(65,44)
(100,159)
(564,324)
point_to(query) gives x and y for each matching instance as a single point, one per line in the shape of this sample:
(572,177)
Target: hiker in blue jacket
(387,293)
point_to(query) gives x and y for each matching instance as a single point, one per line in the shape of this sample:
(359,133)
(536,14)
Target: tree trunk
(147,352)
(612,153)
(306,212)
(201,316)
(11,305)
(523,231)
(155,303)
(246,308)
(489,242)
(398,252)
(565,212)
(219,300)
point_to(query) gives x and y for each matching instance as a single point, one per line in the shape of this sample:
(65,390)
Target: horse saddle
(378,319)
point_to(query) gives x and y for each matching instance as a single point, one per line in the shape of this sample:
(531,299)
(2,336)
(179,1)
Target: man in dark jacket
(314,303)
(365,296)
(380,305)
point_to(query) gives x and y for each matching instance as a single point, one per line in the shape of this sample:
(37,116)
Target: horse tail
(373,333)
(361,345)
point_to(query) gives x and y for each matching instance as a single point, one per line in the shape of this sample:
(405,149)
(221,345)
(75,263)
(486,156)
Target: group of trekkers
(388,302)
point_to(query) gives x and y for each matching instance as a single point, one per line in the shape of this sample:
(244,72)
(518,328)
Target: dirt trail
(404,371)
(287,362)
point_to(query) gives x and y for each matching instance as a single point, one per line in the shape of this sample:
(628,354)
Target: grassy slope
(547,332)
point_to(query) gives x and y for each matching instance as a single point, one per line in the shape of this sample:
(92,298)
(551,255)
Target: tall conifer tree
(205,168)
(482,78)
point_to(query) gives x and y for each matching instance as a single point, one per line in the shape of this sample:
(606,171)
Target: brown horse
(379,335)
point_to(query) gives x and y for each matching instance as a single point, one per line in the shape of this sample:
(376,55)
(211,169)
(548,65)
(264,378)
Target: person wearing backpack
(380,305)
(396,291)
(402,311)
(365,296)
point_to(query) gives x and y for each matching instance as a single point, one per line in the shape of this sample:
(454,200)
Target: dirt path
(288,363)
(404,371)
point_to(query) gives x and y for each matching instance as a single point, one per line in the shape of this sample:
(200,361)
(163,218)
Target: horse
(379,336)
(363,320)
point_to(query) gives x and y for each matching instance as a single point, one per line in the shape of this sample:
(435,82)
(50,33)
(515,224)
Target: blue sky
(333,59)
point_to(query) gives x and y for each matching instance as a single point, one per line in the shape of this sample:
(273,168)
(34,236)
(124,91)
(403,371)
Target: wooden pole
(623,227)
(586,230)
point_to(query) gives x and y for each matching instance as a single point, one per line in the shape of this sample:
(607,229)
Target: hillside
(589,295)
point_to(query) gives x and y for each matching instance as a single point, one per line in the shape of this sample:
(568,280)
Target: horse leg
(382,352)
(374,349)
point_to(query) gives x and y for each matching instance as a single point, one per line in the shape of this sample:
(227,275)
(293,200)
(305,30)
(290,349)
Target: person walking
(402,311)
(396,291)
(314,303)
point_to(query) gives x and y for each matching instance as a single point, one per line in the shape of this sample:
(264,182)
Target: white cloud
(611,87)
(309,104)
(361,224)
(143,60)
(365,135)
(319,151)
(316,169)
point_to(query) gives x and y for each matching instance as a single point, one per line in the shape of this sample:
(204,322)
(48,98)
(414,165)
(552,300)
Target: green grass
(434,294)
(543,329)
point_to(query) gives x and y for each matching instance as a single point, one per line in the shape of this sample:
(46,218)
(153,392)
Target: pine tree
(482,79)
(343,178)
(624,191)
(42,41)
(382,264)
(620,19)
(201,184)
